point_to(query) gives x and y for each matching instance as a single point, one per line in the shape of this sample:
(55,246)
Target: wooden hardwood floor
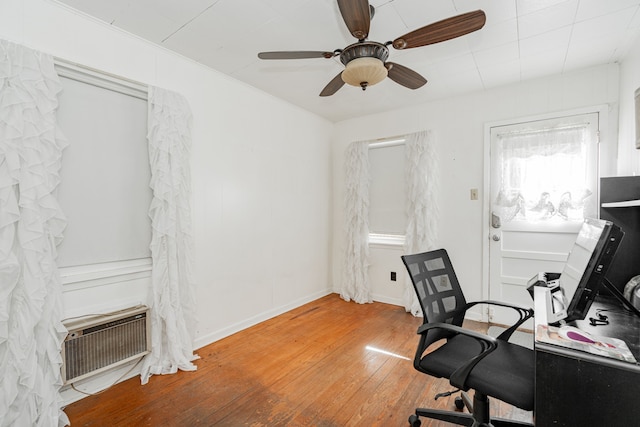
(327,363)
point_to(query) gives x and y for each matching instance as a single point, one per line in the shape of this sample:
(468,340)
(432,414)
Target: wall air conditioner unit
(98,343)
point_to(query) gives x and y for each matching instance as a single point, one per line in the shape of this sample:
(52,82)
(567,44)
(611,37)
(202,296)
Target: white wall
(458,124)
(629,156)
(261,176)
(383,260)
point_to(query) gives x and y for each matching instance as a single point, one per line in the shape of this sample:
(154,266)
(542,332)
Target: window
(104,190)
(547,170)
(387,218)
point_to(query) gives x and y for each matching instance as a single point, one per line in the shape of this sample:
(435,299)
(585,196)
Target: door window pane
(546,173)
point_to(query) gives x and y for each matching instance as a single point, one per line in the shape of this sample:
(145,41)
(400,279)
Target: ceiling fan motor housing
(364,62)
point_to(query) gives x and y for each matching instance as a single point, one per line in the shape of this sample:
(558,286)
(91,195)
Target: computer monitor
(587,265)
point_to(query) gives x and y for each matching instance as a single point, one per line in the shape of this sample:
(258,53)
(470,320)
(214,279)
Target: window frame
(388,239)
(102,273)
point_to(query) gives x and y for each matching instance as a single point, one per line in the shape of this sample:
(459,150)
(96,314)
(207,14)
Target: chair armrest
(459,377)
(524,312)
(457,329)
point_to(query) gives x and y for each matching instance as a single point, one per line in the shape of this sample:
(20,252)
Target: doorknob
(496,238)
(495,220)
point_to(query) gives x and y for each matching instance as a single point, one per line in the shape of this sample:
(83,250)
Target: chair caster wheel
(459,403)
(414,421)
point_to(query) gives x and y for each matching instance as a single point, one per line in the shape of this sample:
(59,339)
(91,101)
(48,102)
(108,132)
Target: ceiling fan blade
(405,76)
(333,86)
(357,16)
(440,31)
(300,54)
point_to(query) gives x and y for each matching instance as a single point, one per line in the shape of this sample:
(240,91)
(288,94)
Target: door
(543,183)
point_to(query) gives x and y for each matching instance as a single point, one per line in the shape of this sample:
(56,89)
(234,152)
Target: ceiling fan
(366,61)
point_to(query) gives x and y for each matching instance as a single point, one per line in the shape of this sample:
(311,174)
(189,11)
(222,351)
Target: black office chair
(470,360)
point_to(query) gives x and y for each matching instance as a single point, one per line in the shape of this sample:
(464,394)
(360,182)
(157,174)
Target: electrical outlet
(393,276)
(474,194)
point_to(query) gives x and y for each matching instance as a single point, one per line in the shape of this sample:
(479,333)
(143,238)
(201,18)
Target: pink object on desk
(575,334)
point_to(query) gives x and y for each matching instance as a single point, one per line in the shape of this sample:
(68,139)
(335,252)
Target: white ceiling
(522,39)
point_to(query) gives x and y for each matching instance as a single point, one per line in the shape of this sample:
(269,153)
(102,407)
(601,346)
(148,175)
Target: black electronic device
(587,265)
(569,296)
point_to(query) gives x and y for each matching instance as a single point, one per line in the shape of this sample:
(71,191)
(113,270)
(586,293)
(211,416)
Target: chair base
(479,416)
(461,419)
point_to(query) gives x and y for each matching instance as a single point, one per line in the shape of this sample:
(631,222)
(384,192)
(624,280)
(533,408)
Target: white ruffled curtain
(355,278)
(421,206)
(31,226)
(172,289)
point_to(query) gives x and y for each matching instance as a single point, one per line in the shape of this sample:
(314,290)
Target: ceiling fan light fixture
(366,61)
(364,72)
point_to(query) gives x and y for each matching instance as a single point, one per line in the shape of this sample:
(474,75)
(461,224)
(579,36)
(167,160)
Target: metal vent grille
(100,343)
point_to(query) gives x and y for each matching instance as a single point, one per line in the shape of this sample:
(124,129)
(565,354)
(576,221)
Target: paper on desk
(604,346)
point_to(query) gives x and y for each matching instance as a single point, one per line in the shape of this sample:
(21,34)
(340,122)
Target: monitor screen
(587,265)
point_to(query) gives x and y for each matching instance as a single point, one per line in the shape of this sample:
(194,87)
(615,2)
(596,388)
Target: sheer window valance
(545,175)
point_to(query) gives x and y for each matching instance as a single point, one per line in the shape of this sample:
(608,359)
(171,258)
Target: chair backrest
(437,288)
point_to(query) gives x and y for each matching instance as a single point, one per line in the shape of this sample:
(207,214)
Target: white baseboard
(261,317)
(388,300)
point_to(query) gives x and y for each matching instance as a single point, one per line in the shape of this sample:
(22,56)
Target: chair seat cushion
(506,374)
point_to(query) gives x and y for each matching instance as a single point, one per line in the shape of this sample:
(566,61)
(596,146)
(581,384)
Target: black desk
(575,388)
